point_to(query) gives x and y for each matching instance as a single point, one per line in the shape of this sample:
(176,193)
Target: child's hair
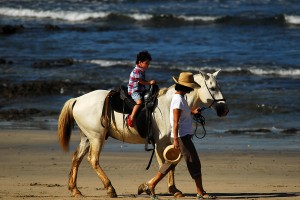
(183,88)
(143,56)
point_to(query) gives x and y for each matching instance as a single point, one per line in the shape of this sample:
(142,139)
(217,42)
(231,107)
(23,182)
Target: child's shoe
(129,121)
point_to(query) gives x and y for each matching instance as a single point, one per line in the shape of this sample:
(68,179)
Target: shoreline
(33,166)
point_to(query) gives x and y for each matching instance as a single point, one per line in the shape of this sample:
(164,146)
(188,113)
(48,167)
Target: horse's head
(210,93)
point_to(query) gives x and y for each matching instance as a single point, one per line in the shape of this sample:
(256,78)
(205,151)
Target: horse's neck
(193,99)
(162,111)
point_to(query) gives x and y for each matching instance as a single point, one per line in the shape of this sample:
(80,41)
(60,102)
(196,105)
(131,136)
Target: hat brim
(172,155)
(190,85)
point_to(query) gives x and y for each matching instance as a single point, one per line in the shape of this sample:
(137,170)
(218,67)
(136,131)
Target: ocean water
(53,50)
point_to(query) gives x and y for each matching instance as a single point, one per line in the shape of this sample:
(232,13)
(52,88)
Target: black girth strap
(151,158)
(150,103)
(149,138)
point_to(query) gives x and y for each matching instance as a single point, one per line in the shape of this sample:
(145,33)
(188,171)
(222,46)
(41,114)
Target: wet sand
(34,167)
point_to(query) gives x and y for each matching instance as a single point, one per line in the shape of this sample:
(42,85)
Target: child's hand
(152,82)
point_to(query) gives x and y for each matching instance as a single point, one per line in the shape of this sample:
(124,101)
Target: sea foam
(199,18)
(140,17)
(108,63)
(63,15)
(278,72)
(292,19)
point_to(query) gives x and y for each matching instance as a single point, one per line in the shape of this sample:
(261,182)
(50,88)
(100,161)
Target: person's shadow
(256,195)
(251,195)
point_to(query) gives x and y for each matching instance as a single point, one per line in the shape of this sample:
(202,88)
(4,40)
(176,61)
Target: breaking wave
(292,19)
(63,15)
(254,70)
(79,16)
(281,72)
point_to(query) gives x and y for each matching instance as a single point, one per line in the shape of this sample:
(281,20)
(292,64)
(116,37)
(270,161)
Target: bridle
(199,118)
(214,100)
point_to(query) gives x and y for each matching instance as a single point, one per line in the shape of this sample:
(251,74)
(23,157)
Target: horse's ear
(216,73)
(204,75)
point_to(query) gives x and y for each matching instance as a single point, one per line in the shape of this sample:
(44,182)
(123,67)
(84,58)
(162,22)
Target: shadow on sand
(248,195)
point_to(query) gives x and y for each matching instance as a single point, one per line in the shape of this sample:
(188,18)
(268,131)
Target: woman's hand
(196,111)
(176,144)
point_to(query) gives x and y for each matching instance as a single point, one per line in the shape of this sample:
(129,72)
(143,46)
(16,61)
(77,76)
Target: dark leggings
(190,156)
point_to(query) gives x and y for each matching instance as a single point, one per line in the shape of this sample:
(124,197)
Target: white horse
(86,111)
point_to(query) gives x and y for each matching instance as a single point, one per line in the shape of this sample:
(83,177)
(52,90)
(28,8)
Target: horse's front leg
(76,160)
(93,158)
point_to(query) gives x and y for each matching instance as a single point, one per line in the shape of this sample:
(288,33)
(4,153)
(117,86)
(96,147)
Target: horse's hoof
(77,194)
(112,193)
(144,188)
(178,195)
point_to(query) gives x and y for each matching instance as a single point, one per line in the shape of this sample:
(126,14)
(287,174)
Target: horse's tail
(65,124)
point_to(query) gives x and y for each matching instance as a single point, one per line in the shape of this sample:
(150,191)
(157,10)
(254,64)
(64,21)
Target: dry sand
(32,166)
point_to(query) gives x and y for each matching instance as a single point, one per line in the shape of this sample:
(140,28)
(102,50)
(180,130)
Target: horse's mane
(163,91)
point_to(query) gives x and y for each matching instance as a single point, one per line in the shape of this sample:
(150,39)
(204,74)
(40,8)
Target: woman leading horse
(86,111)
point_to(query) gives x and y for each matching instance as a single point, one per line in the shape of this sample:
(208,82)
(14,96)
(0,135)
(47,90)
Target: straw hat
(172,155)
(186,79)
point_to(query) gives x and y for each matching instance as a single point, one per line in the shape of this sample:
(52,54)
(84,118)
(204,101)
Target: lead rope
(199,119)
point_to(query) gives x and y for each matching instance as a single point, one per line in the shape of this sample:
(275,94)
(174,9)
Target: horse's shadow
(251,195)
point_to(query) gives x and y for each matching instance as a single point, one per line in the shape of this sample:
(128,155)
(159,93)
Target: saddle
(121,102)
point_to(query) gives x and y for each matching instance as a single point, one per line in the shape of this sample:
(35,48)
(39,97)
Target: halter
(199,118)
(214,100)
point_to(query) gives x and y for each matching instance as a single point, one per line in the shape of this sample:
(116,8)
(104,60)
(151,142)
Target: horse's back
(91,99)
(88,108)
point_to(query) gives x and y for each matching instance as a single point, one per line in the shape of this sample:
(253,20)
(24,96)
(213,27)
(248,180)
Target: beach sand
(33,166)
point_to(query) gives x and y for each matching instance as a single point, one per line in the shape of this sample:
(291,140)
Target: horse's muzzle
(221,109)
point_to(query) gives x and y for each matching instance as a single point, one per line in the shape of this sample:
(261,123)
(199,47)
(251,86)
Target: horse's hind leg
(93,158)
(76,160)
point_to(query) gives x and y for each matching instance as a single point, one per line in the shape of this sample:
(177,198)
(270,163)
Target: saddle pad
(120,101)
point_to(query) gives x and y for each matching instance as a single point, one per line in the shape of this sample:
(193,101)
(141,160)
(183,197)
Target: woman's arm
(176,116)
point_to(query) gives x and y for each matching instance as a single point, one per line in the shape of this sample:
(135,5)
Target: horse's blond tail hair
(65,124)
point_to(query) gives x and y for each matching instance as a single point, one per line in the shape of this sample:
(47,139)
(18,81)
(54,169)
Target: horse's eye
(213,89)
